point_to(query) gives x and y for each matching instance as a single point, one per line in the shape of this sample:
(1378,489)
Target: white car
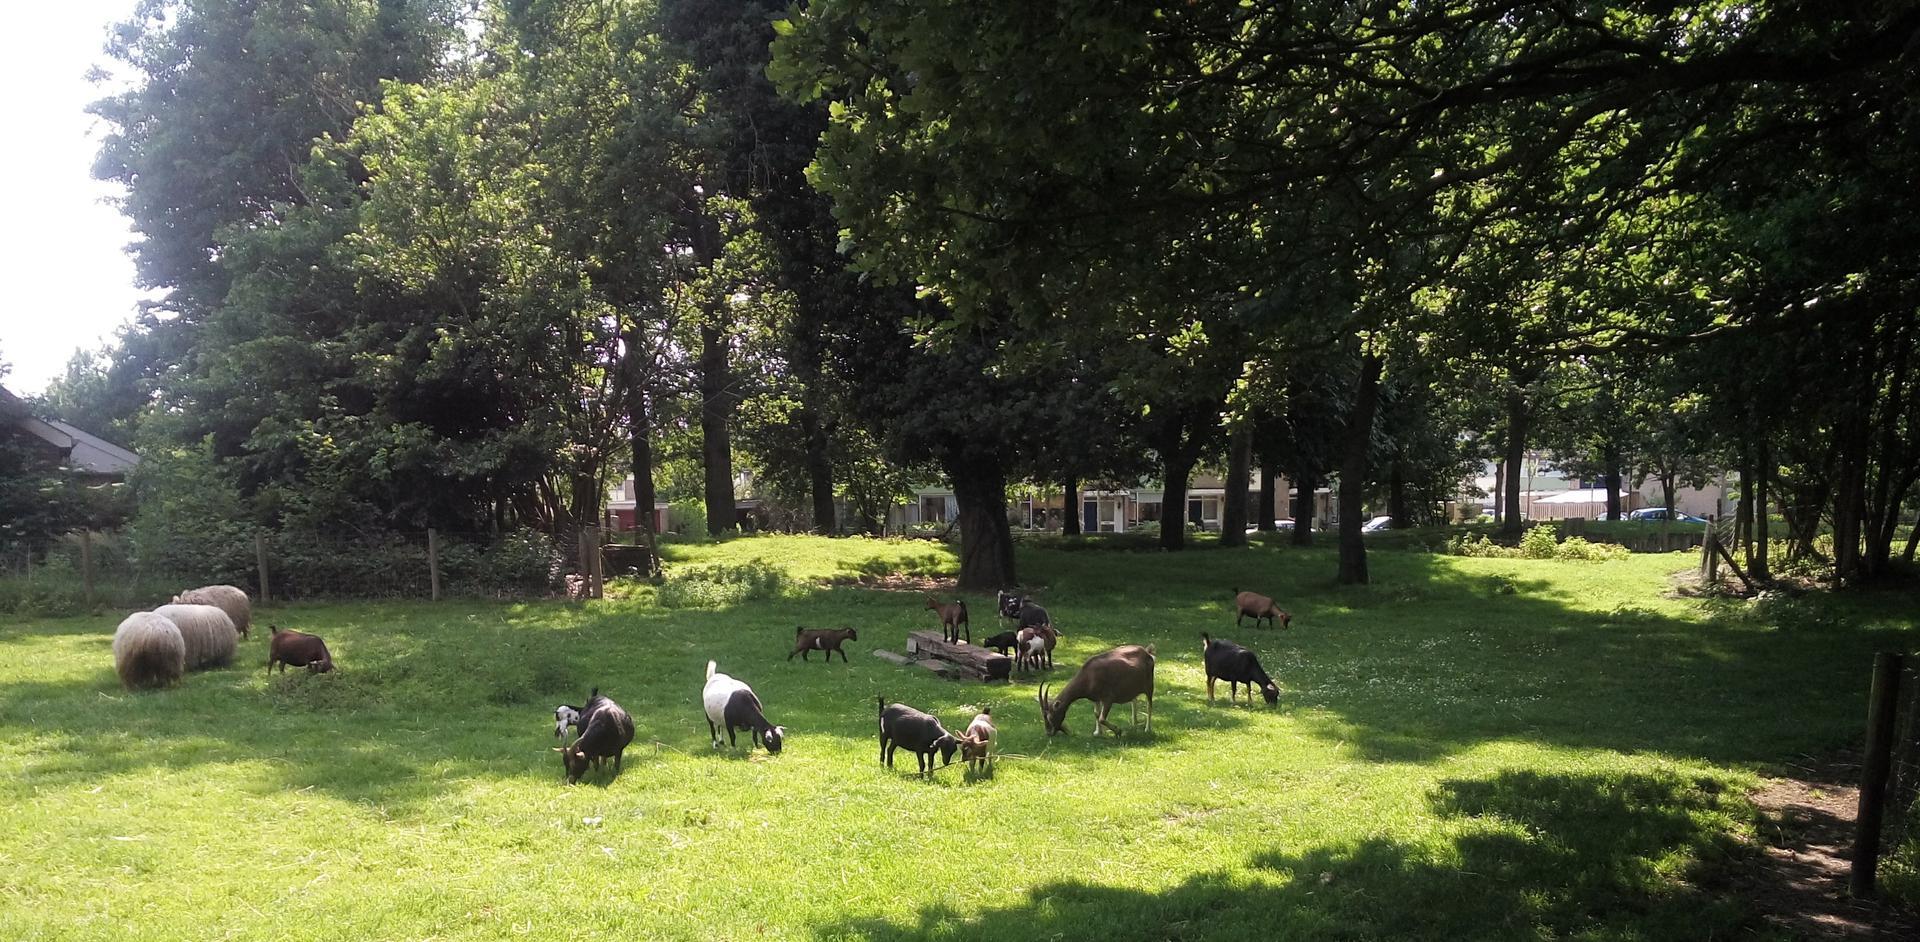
(1376,524)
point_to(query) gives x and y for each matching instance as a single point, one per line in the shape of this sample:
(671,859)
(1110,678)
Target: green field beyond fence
(1468,748)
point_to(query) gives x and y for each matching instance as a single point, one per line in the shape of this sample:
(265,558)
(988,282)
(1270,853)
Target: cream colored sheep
(227,598)
(148,651)
(208,632)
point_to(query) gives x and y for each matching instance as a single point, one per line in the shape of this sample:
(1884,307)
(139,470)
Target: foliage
(1539,542)
(722,585)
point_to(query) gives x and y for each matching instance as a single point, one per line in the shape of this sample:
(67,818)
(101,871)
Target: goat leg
(1209,688)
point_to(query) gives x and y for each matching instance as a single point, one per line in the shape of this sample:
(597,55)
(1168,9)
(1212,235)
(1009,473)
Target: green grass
(1468,748)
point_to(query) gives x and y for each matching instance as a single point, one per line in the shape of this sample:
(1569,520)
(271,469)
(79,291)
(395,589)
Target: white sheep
(208,632)
(148,651)
(227,598)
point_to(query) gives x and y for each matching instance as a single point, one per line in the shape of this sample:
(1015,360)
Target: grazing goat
(1260,607)
(298,649)
(731,705)
(953,617)
(808,640)
(227,598)
(1235,665)
(208,632)
(921,733)
(148,651)
(1121,675)
(605,730)
(976,744)
(1005,642)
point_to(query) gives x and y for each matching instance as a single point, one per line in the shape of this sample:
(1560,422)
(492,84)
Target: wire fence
(88,571)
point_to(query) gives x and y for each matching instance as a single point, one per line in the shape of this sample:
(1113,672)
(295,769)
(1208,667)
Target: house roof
(1584,495)
(83,450)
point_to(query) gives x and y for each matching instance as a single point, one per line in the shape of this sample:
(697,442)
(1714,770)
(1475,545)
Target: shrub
(717,586)
(688,517)
(1477,544)
(1538,543)
(1575,547)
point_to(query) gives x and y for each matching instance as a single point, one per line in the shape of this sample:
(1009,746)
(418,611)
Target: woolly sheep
(227,598)
(208,632)
(148,651)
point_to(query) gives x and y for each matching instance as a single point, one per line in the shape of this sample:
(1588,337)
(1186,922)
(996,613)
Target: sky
(67,280)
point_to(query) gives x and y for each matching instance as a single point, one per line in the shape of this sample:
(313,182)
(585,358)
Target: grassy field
(1468,748)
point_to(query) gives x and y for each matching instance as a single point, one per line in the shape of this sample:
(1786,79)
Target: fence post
(260,557)
(433,561)
(596,565)
(86,563)
(1883,700)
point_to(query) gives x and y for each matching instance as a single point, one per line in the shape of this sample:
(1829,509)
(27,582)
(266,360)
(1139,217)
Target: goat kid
(1005,642)
(976,744)
(1235,665)
(1036,645)
(953,618)
(732,705)
(1121,675)
(921,734)
(1260,607)
(808,640)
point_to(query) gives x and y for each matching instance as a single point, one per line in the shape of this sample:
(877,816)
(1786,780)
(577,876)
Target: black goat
(1004,642)
(605,730)
(921,733)
(1236,665)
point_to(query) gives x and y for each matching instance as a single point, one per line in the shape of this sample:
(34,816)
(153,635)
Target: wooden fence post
(433,561)
(1883,700)
(597,564)
(86,563)
(260,558)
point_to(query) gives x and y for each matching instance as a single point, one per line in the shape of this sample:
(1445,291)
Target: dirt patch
(1799,880)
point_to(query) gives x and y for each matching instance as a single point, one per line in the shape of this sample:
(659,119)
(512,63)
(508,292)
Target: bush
(1477,544)
(718,586)
(1538,543)
(689,519)
(1575,547)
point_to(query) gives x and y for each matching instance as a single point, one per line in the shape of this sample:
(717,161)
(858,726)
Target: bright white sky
(65,280)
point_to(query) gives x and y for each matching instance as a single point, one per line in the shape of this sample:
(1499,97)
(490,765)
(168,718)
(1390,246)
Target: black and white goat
(1236,665)
(921,734)
(732,705)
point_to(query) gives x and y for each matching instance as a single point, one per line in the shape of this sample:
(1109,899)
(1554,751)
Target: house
(1108,507)
(1547,493)
(93,459)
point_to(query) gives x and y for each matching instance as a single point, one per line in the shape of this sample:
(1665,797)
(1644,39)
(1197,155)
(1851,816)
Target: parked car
(1377,524)
(1660,513)
(1277,525)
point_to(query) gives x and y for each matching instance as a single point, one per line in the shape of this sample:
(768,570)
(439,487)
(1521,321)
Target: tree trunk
(1666,493)
(1269,494)
(1353,473)
(1517,418)
(1762,470)
(716,442)
(986,543)
(1743,510)
(819,474)
(1500,490)
(1233,505)
(1070,504)
(1397,506)
(1610,477)
(1173,501)
(1305,488)
(1913,540)
(640,438)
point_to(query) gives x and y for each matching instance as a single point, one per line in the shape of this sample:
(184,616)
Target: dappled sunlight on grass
(1468,747)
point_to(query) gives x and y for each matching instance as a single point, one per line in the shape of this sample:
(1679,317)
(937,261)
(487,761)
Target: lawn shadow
(1536,856)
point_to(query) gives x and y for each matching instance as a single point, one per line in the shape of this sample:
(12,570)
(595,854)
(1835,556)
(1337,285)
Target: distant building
(94,459)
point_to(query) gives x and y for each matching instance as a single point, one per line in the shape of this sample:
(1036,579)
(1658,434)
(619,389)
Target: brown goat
(953,617)
(1121,675)
(1260,607)
(298,649)
(808,640)
(1033,649)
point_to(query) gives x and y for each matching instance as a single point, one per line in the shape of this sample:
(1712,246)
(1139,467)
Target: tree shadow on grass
(1626,856)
